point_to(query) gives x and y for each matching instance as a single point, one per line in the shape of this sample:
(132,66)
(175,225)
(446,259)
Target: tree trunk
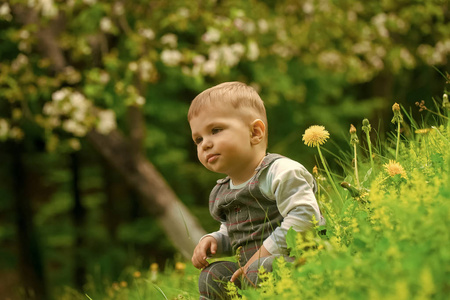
(111,219)
(78,215)
(31,268)
(179,224)
(174,217)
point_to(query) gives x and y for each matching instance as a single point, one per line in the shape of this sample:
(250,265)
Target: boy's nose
(207,143)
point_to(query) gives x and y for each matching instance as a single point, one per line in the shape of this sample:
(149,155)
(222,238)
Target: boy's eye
(216,130)
(198,140)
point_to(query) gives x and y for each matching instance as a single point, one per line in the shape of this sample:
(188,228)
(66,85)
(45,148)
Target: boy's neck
(252,171)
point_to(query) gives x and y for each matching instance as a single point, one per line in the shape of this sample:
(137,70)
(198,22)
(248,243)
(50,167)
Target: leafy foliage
(69,67)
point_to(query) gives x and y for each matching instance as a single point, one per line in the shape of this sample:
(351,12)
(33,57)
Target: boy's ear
(258,131)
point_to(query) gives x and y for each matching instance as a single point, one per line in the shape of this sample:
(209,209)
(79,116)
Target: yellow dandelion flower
(137,274)
(154,267)
(393,168)
(316,171)
(395,107)
(315,135)
(123,284)
(180,266)
(423,130)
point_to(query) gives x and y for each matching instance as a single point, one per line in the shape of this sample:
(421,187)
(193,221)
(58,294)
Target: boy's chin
(215,170)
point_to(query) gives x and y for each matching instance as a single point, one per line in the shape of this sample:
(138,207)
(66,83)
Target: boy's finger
(202,260)
(213,248)
(236,275)
(200,264)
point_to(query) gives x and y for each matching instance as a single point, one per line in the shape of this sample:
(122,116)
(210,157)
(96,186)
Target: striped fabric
(250,218)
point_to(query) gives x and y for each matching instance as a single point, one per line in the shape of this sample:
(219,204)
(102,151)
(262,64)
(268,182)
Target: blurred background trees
(98,168)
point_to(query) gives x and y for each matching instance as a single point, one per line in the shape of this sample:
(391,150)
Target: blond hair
(237,94)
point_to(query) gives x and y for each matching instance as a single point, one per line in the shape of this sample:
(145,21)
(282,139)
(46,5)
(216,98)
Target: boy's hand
(262,252)
(207,245)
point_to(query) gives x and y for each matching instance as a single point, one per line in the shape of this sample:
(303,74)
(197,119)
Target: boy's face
(224,141)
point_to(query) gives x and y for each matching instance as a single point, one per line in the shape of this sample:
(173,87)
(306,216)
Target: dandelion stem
(356,167)
(398,141)
(370,149)
(328,173)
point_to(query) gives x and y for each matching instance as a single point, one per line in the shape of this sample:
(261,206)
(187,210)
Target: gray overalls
(250,218)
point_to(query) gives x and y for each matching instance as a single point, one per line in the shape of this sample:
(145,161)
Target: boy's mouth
(210,158)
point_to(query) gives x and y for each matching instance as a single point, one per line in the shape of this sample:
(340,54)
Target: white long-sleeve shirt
(292,187)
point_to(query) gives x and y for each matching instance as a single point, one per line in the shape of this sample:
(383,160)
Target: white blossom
(183,12)
(70,125)
(169,39)
(20,61)
(4,129)
(263,26)
(214,53)
(31,3)
(329,59)
(361,48)
(198,59)
(106,24)
(77,99)
(133,66)
(380,51)
(60,95)
(49,109)
(5,12)
(281,50)
(145,69)
(212,35)
(24,46)
(186,71)
(65,107)
(104,77)
(249,27)
(376,62)
(147,33)
(380,21)
(171,57)
(253,51)
(407,58)
(54,122)
(16,133)
(48,8)
(196,70)
(106,121)
(79,115)
(71,75)
(74,144)
(308,7)
(90,2)
(210,67)
(74,127)
(118,8)
(238,49)
(229,57)
(24,34)
(140,100)
(16,114)
(352,16)
(239,23)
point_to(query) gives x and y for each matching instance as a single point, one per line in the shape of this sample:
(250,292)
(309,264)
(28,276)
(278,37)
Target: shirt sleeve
(223,240)
(292,187)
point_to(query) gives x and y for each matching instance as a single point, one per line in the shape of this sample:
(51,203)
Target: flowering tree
(95,70)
